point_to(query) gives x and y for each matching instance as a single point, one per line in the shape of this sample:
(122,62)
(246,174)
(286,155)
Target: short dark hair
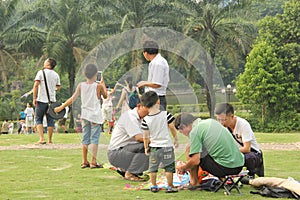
(224,108)
(183,119)
(149,99)
(52,62)
(90,70)
(150,47)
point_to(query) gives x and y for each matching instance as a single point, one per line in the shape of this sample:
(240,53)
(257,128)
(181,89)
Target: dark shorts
(210,165)
(164,156)
(41,110)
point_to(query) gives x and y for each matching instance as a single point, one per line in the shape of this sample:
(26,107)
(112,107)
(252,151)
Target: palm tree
(68,35)
(7,51)
(135,14)
(218,31)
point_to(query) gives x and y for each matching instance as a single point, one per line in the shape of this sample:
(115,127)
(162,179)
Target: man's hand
(181,169)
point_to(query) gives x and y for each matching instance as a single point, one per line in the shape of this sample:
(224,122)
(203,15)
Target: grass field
(41,173)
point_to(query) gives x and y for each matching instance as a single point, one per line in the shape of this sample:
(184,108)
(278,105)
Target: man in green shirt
(211,147)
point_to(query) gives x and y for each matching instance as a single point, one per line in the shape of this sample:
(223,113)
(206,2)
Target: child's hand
(176,144)
(57,109)
(147,151)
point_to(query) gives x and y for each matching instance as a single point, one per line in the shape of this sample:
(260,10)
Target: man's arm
(246,148)
(148,84)
(139,137)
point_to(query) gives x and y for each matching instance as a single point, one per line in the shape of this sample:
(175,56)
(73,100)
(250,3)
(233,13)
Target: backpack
(275,192)
(133,99)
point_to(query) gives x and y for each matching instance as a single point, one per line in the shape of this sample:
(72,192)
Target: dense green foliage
(270,82)
(68,30)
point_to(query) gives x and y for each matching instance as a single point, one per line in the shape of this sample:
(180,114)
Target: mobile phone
(99,75)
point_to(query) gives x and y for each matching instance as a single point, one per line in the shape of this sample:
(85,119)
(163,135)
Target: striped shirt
(158,127)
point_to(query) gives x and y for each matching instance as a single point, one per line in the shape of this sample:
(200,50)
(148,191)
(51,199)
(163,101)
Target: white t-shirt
(90,104)
(128,125)
(158,73)
(243,133)
(53,80)
(108,101)
(29,111)
(158,126)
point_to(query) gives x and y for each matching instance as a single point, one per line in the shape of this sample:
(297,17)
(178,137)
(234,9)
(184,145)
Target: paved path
(264,146)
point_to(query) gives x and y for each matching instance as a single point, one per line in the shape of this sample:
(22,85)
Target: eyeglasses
(179,127)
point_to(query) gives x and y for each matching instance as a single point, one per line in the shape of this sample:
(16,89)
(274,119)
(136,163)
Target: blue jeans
(90,132)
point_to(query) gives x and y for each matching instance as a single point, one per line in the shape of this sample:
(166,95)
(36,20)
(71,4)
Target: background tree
(270,83)
(7,50)
(219,32)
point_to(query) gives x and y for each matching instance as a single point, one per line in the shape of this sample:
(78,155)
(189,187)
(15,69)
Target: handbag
(52,105)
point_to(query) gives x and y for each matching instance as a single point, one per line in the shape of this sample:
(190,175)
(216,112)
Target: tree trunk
(210,93)
(71,72)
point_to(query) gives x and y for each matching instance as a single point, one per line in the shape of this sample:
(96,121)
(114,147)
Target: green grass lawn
(56,173)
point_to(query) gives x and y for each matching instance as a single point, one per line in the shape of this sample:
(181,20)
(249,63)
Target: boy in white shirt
(157,141)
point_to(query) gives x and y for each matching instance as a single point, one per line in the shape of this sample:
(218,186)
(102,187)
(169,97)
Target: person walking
(40,98)
(29,111)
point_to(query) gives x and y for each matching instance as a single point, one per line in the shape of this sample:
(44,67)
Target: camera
(99,75)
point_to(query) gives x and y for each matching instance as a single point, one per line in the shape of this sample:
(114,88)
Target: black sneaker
(246,179)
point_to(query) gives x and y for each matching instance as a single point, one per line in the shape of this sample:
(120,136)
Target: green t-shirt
(211,135)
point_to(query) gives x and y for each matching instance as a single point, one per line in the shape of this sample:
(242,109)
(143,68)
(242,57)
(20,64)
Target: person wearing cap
(245,139)
(211,147)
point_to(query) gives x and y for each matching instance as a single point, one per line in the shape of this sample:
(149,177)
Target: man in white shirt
(126,148)
(158,72)
(244,137)
(40,98)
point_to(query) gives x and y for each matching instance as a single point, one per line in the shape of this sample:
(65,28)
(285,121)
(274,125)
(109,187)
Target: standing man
(211,147)
(158,72)
(244,136)
(40,98)
(126,148)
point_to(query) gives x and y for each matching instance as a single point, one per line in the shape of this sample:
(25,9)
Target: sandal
(121,172)
(154,189)
(170,189)
(92,166)
(85,165)
(194,187)
(41,142)
(134,178)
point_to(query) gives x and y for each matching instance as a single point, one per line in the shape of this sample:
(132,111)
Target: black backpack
(275,192)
